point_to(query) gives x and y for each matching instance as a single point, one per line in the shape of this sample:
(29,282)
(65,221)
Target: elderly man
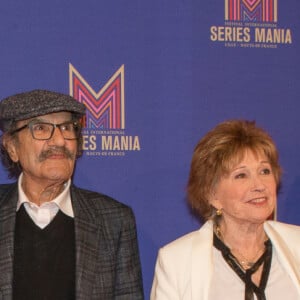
(58,241)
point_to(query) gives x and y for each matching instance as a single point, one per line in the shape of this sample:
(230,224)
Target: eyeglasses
(44,131)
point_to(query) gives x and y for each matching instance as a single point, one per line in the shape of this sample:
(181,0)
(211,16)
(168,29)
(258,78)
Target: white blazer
(184,267)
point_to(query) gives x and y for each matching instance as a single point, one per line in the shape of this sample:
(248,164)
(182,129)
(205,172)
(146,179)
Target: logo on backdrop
(104,130)
(251,24)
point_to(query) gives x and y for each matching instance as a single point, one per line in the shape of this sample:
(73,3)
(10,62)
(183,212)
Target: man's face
(44,161)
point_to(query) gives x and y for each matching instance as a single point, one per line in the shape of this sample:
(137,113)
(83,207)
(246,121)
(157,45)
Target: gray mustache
(57,150)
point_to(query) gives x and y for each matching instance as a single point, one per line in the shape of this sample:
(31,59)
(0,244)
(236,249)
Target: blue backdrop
(186,67)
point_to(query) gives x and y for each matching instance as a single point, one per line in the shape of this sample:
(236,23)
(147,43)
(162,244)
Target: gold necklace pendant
(240,258)
(245,263)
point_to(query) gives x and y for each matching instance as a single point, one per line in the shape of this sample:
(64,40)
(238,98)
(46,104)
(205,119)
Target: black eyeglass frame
(29,125)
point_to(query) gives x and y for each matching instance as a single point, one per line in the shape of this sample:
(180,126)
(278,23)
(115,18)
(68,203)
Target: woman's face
(248,193)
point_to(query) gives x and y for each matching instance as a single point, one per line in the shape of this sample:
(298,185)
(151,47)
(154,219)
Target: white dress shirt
(42,215)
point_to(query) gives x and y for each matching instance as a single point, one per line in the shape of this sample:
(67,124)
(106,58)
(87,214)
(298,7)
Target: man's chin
(58,174)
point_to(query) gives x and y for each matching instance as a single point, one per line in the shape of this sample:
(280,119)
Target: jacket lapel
(286,243)
(7,227)
(202,262)
(86,241)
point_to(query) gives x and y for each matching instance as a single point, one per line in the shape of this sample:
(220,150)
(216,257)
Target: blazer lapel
(86,241)
(284,242)
(202,262)
(7,227)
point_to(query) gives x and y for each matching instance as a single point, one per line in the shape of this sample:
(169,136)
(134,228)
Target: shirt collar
(63,200)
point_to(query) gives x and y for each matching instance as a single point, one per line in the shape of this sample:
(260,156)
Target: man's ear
(10,145)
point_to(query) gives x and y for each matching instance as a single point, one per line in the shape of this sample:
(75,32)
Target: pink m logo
(105,109)
(251,10)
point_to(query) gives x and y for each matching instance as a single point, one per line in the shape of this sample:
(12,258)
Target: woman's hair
(14,169)
(218,152)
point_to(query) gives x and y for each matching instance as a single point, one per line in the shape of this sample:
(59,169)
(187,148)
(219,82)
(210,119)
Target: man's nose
(57,136)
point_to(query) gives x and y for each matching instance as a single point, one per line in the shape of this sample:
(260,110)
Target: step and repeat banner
(155,76)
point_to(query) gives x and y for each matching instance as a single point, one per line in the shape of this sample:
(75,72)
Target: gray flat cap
(36,103)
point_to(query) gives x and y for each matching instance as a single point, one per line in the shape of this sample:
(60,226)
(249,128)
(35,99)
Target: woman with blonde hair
(239,252)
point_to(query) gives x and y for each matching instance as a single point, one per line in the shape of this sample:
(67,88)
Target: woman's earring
(219,212)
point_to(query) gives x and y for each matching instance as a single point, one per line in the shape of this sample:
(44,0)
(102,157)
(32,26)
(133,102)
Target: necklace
(237,255)
(263,262)
(243,261)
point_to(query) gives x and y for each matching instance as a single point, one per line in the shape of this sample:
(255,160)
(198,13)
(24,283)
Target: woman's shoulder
(285,239)
(285,230)
(283,226)
(186,242)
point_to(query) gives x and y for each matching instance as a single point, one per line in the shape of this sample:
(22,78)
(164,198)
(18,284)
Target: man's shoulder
(98,201)
(7,192)
(99,208)
(7,187)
